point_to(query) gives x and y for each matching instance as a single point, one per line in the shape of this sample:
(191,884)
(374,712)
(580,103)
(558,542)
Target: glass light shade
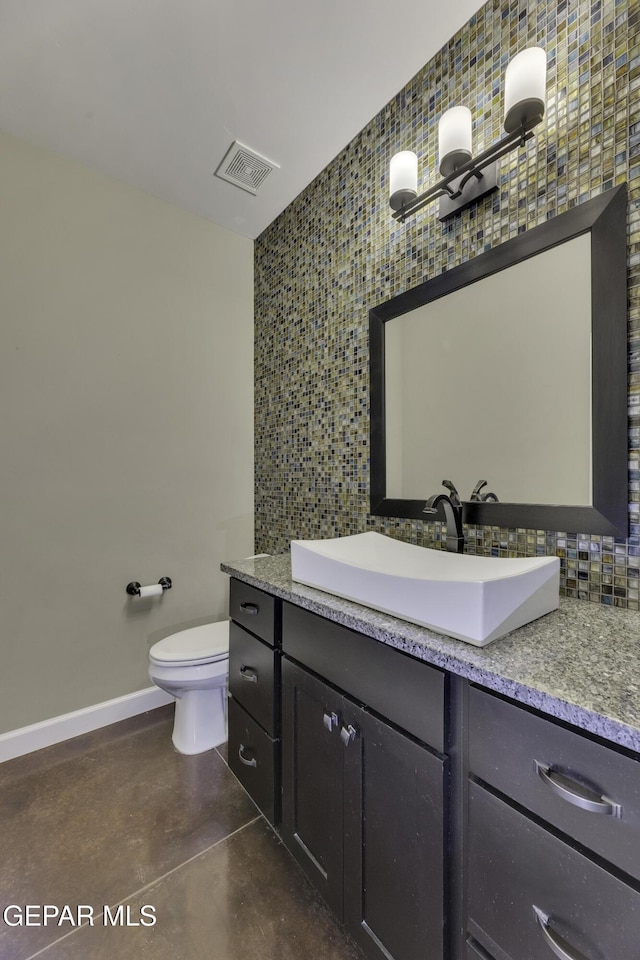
(454,139)
(403,179)
(525,93)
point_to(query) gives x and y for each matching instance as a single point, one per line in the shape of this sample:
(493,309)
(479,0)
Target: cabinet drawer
(253,609)
(559,774)
(533,896)
(406,691)
(254,677)
(254,758)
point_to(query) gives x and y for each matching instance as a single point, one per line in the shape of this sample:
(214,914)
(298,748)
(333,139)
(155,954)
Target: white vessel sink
(475,599)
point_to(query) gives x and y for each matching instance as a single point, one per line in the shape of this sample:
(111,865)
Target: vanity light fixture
(465,179)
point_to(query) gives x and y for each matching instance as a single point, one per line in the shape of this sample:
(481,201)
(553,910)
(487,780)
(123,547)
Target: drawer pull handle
(576,794)
(330,721)
(248,761)
(560,947)
(250,608)
(347,735)
(248,674)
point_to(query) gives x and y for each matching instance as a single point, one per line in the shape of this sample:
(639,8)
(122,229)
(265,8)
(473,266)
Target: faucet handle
(454,495)
(483,497)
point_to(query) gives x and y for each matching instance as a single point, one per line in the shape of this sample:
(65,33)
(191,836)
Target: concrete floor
(118,817)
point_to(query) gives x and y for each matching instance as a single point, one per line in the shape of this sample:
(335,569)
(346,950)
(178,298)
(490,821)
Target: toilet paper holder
(133,588)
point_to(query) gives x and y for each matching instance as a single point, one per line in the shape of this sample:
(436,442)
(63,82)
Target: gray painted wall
(126,434)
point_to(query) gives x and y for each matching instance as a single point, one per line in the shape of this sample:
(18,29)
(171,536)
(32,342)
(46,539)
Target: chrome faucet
(451,507)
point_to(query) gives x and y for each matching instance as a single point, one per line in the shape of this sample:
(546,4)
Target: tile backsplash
(335,252)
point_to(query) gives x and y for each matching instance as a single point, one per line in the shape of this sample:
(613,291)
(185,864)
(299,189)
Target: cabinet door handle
(248,674)
(347,734)
(560,947)
(250,608)
(576,794)
(248,761)
(330,721)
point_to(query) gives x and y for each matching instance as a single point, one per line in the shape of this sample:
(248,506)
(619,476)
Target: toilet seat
(207,643)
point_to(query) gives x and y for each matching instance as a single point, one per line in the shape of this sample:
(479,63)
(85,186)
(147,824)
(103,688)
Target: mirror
(433,350)
(511,368)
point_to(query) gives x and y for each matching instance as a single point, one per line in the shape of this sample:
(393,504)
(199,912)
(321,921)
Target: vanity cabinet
(254,695)
(438,819)
(553,839)
(363,799)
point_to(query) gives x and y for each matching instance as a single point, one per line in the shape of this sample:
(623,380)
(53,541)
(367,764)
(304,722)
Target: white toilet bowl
(193,666)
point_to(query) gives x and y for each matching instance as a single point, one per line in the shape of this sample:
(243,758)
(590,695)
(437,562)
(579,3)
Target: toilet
(193,666)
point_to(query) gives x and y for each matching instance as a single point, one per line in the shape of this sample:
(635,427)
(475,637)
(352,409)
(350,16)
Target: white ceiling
(153,92)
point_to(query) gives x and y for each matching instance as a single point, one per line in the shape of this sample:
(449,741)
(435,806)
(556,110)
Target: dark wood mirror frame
(605,218)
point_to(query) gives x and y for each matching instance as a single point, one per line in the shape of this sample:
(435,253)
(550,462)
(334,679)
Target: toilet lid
(210,641)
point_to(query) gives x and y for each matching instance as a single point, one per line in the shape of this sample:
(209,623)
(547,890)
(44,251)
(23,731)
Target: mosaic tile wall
(335,252)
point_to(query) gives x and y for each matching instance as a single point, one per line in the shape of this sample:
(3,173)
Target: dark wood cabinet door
(393,841)
(312,780)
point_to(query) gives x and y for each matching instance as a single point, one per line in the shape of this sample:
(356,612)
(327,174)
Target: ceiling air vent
(245,168)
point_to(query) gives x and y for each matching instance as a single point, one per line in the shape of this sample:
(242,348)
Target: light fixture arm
(463,173)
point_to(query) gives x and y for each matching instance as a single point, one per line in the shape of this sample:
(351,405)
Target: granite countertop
(580,663)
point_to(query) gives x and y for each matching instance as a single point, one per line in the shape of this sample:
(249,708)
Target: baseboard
(16,743)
